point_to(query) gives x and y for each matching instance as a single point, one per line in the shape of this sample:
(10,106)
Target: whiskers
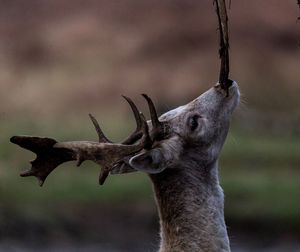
(243,105)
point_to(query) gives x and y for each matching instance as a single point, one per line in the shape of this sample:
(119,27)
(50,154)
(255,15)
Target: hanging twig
(299,7)
(224,43)
(298,2)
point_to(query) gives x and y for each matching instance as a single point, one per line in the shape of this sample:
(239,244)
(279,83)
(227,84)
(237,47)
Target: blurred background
(61,59)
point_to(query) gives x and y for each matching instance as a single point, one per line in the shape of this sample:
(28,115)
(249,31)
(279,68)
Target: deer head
(191,133)
(194,132)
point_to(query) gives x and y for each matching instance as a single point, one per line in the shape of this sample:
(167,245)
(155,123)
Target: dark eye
(194,122)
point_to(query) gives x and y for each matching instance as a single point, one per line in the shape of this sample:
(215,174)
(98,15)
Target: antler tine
(147,141)
(139,124)
(47,156)
(135,112)
(101,136)
(158,129)
(104,172)
(154,118)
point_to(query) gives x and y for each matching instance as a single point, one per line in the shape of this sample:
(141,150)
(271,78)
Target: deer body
(180,153)
(184,173)
(191,210)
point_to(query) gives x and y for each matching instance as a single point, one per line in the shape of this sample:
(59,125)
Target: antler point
(12,139)
(27,173)
(80,159)
(101,136)
(41,182)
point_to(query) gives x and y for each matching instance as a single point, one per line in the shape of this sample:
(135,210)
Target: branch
(224,43)
(298,2)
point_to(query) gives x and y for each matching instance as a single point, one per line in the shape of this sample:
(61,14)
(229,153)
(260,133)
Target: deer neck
(191,209)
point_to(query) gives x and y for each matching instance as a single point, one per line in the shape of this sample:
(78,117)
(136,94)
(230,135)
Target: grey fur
(181,157)
(184,171)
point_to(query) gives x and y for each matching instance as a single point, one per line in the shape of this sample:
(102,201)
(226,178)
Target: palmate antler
(108,155)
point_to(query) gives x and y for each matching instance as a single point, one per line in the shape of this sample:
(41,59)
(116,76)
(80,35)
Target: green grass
(261,178)
(262,150)
(261,195)
(259,174)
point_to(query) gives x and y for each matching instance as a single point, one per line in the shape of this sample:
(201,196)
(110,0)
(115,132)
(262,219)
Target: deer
(178,150)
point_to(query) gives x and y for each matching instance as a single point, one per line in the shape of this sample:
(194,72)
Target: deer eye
(193,122)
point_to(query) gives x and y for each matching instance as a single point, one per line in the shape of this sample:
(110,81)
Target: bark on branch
(298,2)
(221,11)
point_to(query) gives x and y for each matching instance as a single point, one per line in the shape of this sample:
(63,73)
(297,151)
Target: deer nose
(233,84)
(227,85)
(228,89)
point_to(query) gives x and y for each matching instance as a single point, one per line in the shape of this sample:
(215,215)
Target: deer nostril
(224,87)
(229,83)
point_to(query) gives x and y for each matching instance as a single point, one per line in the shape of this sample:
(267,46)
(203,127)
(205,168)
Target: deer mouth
(233,90)
(233,96)
(230,90)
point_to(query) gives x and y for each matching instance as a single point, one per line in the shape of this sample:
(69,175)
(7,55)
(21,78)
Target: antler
(112,157)
(136,135)
(160,130)
(51,153)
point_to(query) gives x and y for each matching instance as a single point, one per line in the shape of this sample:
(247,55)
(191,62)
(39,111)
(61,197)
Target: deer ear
(151,161)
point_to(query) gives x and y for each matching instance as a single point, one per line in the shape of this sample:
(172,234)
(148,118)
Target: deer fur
(180,154)
(184,171)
